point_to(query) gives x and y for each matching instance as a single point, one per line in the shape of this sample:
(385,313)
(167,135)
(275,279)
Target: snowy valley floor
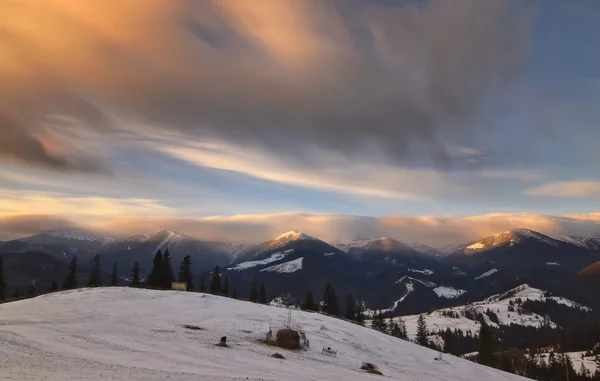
(131,334)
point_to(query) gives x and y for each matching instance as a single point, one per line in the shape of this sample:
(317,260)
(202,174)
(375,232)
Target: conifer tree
(360,314)
(234,293)
(70,282)
(94,279)
(134,279)
(113,276)
(378,323)
(330,301)
(215,282)
(202,283)
(350,307)
(309,303)
(154,278)
(486,355)
(262,295)
(167,276)
(225,286)
(254,291)
(185,272)
(53,286)
(402,329)
(422,332)
(2,282)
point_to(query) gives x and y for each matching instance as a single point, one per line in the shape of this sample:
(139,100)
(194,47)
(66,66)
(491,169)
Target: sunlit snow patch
(448,292)
(273,258)
(287,267)
(486,274)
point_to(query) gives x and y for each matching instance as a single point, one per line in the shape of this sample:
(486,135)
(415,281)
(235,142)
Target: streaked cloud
(566,189)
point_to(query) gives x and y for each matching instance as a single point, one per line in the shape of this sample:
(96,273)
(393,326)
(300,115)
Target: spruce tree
(94,279)
(330,301)
(202,283)
(309,303)
(402,329)
(113,276)
(360,314)
(2,282)
(70,282)
(53,286)
(154,278)
(215,281)
(134,279)
(350,307)
(254,291)
(486,355)
(167,276)
(225,286)
(422,332)
(262,295)
(185,272)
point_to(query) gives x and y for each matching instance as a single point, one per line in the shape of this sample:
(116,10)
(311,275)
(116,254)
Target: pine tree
(202,283)
(94,279)
(262,295)
(53,286)
(254,291)
(486,355)
(309,303)
(378,323)
(448,341)
(154,278)
(70,282)
(167,276)
(215,281)
(234,293)
(134,279)
(2,282)
(422,332)
(113,276)
(402,329)
(225,286)
(360,314)
(330,301)
(185,272)
(350,307)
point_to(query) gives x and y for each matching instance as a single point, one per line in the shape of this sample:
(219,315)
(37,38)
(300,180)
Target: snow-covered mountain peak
(509,237)
(291,236)
(75,234)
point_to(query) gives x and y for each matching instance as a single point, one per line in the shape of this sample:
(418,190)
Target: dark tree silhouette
(254,291)
(167,276)
(94,279)
(309,302)
(225,286)
(2,282)
(262,295)
(486,353)
(185,272)
(422,332)
(330,301)
(350,307)
(215,281)
(113,276)
(154,278)
(54,286)
(134,279)
(70,282)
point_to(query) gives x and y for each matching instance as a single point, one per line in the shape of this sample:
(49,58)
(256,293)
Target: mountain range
(384,273)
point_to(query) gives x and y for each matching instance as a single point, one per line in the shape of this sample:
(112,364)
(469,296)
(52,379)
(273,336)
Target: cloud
(351,77)
(23,225)
(576,189)
(432,230)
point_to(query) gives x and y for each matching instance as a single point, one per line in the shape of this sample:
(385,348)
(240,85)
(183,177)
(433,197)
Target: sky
(422,120)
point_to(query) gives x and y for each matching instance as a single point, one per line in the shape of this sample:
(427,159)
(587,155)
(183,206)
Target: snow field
(132,334)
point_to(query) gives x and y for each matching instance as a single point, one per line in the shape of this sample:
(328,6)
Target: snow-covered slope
(509,238)
(463,317)
(132,334)
(590,243)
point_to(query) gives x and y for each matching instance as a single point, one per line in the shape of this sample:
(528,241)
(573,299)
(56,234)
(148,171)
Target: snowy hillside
(132,334)
(510,238)
(505,306)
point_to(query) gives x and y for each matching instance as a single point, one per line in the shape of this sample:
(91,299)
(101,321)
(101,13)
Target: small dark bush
(278,356)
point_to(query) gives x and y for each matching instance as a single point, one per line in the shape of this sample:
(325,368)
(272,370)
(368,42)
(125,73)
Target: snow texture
(487,274)
(448,292)
(552,264)
(133,334)
(424,272)
(286,267)
(273,258)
